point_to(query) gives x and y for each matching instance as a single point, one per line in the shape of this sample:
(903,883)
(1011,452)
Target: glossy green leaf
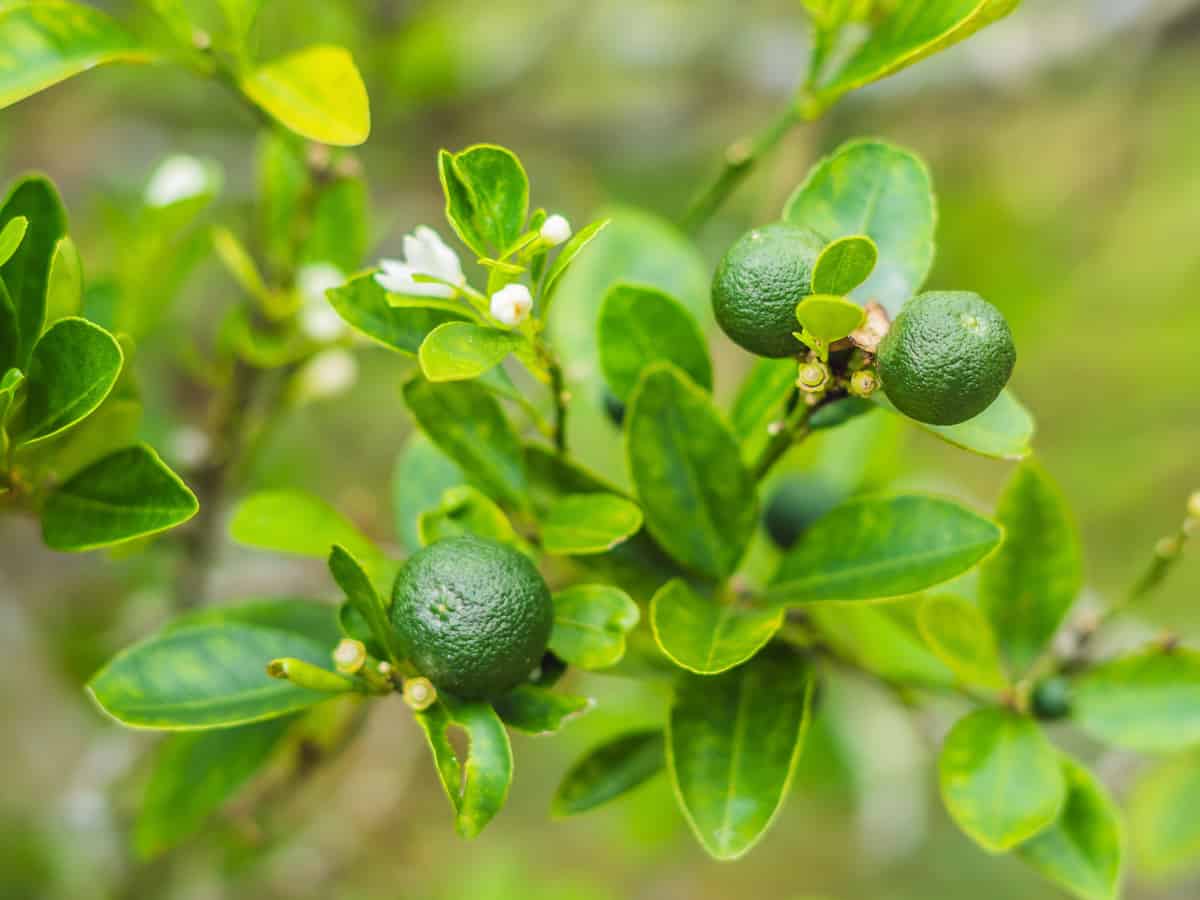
(11,236)
(1027,587)
(1148,701)
(609,771)
(73,367)
(46,42)
(362,596)
(696,494)
(464,510)
(10,335)
(363,304)
(829,318)
(707,636)
(457,351)
(194,774)
(1082,851)
(885,193)
(468,425)
(1002,431)
(590,624)
(566,256)
(205,676)
(537,710)
(128,494)
(487,197)
(421,476)
(844,264)
(875,548)
(308,618)
(883,638)
(477,789)
(580,524)
(26,274)
(961,636)
(732,745)
(316,92)
(1001,778)
(761,400)
(1163,824)
(642,325)
(64,290)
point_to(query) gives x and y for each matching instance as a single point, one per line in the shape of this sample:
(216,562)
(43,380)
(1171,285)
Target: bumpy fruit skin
(946,358)
(756,287)
(472,615)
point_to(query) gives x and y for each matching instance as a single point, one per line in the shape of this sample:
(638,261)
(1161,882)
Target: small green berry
(813,377)
(864,383)
(1052,698)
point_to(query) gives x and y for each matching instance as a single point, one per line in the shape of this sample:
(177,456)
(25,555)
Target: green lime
(755,290)
(946,358)
(1052,698)
(473,616)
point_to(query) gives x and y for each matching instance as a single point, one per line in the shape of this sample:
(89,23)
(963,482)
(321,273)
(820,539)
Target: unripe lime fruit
(473,616)
(1051,698)
(946,358)
(756,287)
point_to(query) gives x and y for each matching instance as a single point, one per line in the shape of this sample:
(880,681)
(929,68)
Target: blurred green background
(1063,144)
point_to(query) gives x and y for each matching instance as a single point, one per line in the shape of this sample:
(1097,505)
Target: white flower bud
(317,318)
(328,373)
(177,178)
(512,304)
(190,446)
(555,230)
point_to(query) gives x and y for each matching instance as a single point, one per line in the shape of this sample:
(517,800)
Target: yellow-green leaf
(704,635)
(316,92)
(962,638)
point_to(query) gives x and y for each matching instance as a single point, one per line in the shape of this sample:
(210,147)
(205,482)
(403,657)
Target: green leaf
(642,325)
(590,624)
(460,350)
(567,255)
(875,548)
(464,510)
(732,745)
(363,303)
(704,635)
(1148,701)
(469,426)
(843,265)
(422,474)
(882,638)
(580,524)
(1002,431)
(877,190)
(1001,778)
(64,289)
(1082,851)
(487,197)
(11,236)
(760,401)
(536,710)
(361,594)
(697,496)
(1162,817)
(1028,586)
(962,638)
(609,771)
(128,494)
(26,274)
(829,318)
(10,336)
(194,774)
(316,92)
(73,367)
(307,618)
(47,42)
(478,789)
(205,676)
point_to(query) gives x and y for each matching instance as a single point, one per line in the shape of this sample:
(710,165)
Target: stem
(792,430)
(559,389)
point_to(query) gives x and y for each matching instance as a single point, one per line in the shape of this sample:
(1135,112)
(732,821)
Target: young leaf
(732,745)
(11,236)
(843,265)
(609,771)
(360,593)
(1028,586)
(1148,701)
(697,496)
(496,192)
(10,336)
(205,676)
(641,325)
(128,494)
(64,288)
(882,638)
(457,351)
(26,274)
(478,789)
(468,425)
(760,401)
(464,510)
(48,42)
(421,476)
(1001,778)
(1082,851)
(704,635)
(877,190)
(316,92)
(962,638)
(1162,817)
(194,774)
(829,318)
(363,303)
(875,548)
(536,710)
(590,624)
(1002,431)
(73,367)
(571,249)
(581,524)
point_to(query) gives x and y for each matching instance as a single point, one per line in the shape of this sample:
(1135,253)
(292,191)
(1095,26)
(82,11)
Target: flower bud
(511,304)
(419,693)
(813,377)
(306,675)
(555,230)
(864,383)
(349,656)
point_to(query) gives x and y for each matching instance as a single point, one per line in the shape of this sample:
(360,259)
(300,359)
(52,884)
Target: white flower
(317,318)
(512,304)
(328,373)
(555,230)
(175,179)
(190,446)
(425,253)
